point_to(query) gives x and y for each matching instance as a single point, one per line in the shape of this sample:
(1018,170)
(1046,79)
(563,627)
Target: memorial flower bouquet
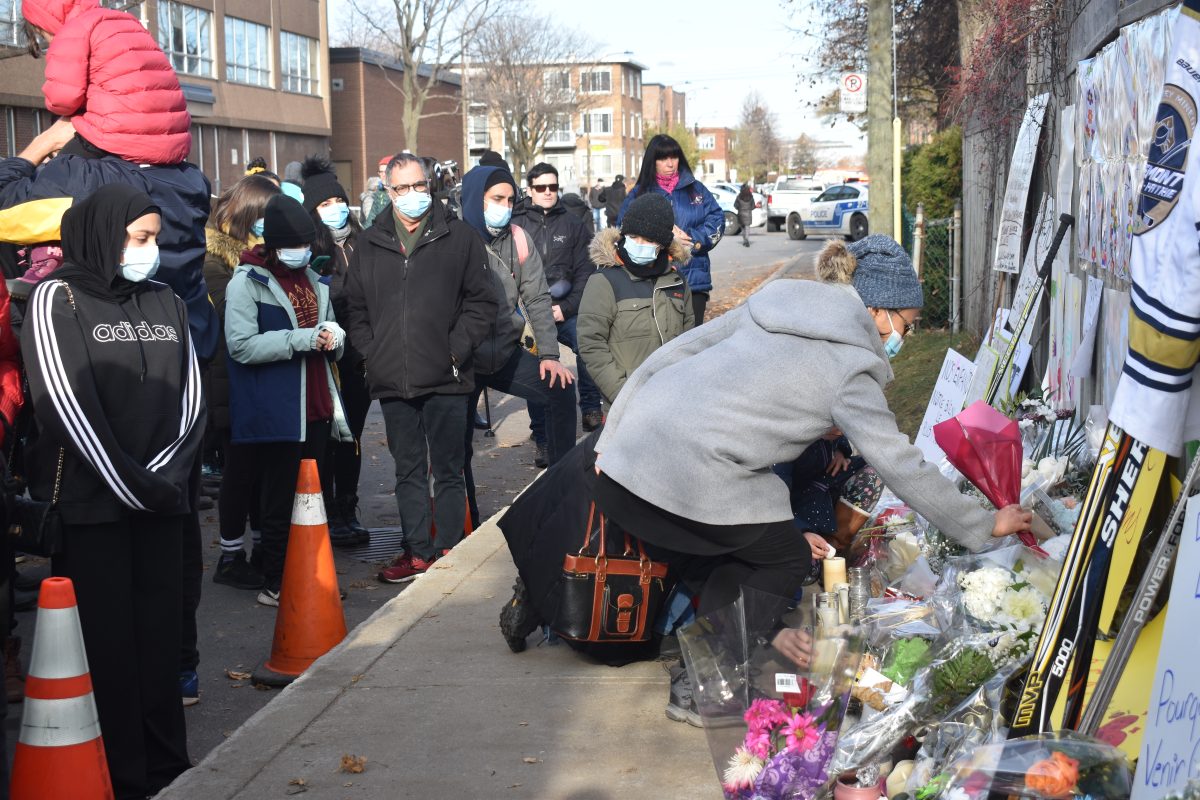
(772,725)
(1049,766)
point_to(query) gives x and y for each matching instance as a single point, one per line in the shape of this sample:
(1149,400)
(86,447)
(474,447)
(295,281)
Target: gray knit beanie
(651,217)
(885,277)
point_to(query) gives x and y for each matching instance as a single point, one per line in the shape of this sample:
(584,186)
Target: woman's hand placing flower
(1012,519)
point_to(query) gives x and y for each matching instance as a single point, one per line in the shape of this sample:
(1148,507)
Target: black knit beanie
(287,224)
(321,187)
(651,217)
(491,158)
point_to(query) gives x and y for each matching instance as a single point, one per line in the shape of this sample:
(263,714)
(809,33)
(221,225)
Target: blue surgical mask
(495,216)
(294,257)
(894,341)
(639,252)
(139,263)
(413,204)
(335,216)
(257,227)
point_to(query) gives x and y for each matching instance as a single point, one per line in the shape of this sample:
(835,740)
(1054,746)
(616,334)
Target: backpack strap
(520,238)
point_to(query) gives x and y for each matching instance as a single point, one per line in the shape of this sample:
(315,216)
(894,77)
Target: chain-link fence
(934,263)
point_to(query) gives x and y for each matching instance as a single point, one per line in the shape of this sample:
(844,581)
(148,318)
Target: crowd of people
(156,342)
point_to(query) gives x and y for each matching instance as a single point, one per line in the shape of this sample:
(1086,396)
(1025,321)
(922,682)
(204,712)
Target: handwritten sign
(1170,753)
(949,394)
(1016,192)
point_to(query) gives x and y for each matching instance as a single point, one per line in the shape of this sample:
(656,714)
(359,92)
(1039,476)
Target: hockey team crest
(1168,158)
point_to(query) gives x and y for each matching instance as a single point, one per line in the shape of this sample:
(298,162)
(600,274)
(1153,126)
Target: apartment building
(368,117)
(716,153)
(255,74)
(662,106)
(603,139)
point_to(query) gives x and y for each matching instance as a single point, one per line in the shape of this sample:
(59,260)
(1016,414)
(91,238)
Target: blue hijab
(474,185)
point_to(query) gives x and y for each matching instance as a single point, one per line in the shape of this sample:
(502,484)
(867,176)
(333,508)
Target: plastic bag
(999,590)
(954,675)
(771,725)
(1046,767)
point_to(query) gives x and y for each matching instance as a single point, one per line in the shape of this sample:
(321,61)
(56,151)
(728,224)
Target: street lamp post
(587,134)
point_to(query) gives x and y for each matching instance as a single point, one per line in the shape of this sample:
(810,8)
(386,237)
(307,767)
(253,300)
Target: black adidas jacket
(117,386)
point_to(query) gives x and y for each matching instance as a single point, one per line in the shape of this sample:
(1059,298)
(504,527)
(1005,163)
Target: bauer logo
(1169,145)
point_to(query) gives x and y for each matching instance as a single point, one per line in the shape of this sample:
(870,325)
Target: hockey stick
(1139,611)
(1065,221)
(1119,462)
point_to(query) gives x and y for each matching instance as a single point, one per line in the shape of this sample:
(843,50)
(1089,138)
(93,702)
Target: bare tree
(529,79)
(427,38)
(757,151)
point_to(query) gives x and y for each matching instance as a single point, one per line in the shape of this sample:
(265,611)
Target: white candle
(835,573)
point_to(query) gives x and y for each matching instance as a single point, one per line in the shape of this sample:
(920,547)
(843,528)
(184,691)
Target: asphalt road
(236,632)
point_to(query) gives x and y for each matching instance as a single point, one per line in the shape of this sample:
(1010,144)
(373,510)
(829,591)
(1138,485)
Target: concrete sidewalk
(428,693)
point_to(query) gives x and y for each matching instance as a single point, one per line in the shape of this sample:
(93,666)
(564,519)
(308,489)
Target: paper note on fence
(1081,367)
(1016,192)
(949,394)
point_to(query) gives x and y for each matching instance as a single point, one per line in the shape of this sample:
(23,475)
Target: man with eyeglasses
(419,301)
(562,240)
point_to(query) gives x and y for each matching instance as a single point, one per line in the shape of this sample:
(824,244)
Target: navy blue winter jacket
(32,200)
(697,212)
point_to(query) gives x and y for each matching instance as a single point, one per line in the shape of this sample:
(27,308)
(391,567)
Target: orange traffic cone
(310,621)
(59,753)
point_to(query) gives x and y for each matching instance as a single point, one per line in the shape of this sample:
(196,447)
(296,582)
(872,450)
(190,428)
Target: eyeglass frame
(404,188)
(544,187)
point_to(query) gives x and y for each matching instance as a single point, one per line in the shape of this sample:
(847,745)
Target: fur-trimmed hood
(225,247)
(603,250)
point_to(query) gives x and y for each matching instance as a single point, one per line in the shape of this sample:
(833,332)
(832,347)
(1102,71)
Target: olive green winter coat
(623,319)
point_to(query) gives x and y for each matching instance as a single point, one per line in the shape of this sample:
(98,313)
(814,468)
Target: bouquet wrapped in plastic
(1048,766)
(771,724)
(986,448)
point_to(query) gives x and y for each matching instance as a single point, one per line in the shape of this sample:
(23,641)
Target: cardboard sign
(1170,752)
(1016,192)
(949,394)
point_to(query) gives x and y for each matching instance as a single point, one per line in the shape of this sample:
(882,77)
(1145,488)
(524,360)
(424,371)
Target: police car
(838,211)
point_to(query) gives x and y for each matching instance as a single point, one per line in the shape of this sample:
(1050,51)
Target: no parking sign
(854,93)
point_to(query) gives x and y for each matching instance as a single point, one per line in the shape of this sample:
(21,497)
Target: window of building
(637,85)
(477,126)
(596,81)
(601,165)
(560,133)
(247,52)
(185,35)
(557,80)
(11,31)
(299,61)
(598,122)
(707,141)
(136,9)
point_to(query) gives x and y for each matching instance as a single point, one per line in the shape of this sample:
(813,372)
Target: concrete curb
(231,766)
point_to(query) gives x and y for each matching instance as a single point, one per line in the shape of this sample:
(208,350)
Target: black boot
(233,570)
(350,515)
(517,619)
(339,533)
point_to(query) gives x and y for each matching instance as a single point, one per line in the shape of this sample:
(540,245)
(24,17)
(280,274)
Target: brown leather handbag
(608,598)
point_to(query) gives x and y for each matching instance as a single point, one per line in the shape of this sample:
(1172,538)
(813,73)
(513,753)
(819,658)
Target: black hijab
(93,240)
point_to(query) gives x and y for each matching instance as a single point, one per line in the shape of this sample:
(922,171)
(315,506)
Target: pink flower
(764,714)
(801,733)
(758,743)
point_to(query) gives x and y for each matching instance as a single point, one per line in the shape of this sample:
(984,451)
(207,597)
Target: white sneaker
(269,597)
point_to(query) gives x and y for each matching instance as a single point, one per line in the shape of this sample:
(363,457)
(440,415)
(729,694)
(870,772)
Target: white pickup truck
(785,201)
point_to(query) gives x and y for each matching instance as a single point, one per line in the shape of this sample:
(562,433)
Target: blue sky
(716,51)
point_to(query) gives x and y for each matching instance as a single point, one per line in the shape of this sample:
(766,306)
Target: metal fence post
(918,238)
(956,268)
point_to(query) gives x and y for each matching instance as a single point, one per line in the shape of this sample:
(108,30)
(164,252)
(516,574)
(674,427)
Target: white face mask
(294,257)
(139,263)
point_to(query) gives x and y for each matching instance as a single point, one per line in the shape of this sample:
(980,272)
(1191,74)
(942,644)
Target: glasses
(402,188)
(544,187)
(909,327)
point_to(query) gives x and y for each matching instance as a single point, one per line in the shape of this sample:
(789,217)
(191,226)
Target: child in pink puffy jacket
(105,71)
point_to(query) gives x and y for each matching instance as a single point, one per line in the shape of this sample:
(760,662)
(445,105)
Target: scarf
(667,182)
(342,234)
(93,241)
